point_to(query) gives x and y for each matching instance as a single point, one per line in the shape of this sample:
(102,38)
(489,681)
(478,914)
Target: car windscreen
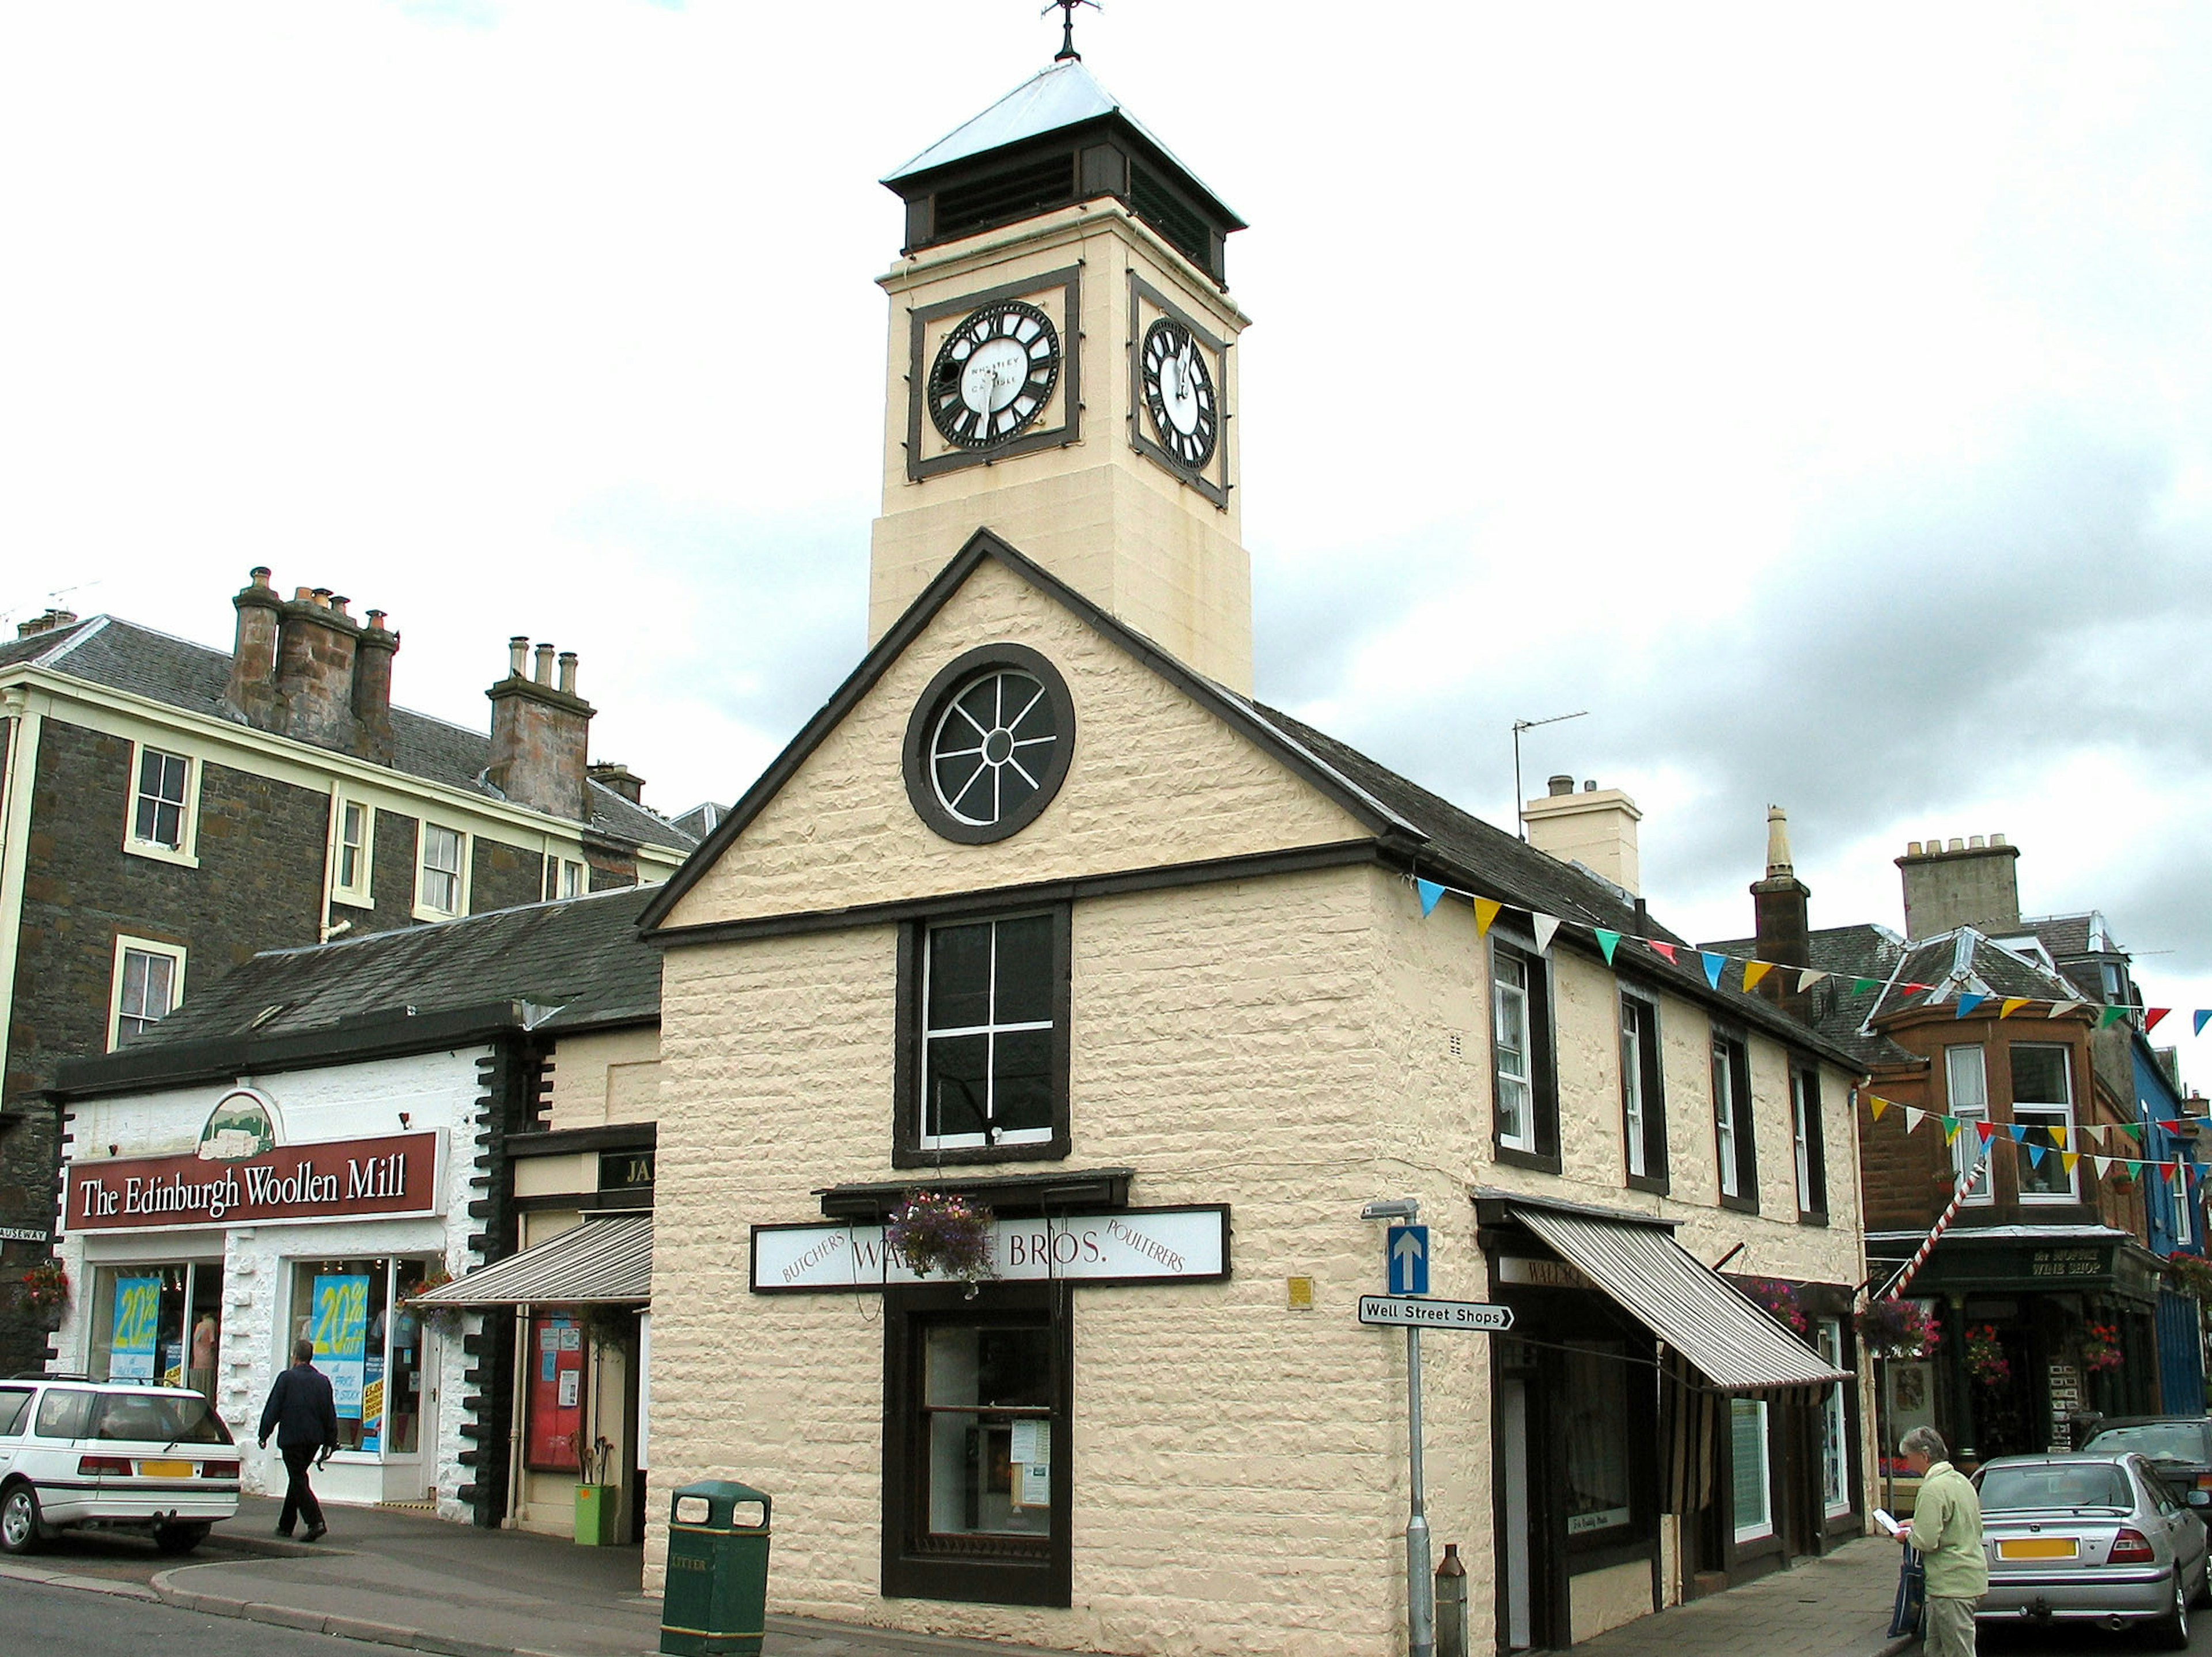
(158,1418)
(2065,1484)
(2161,1441)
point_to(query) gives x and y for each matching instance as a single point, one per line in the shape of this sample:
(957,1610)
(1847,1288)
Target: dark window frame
(908,1150)
(1046,1578)
(1651,1053)
(1543,1059)
(1815,1213)
(1743,1121)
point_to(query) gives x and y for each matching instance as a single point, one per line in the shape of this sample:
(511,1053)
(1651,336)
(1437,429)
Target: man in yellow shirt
(1946,1531)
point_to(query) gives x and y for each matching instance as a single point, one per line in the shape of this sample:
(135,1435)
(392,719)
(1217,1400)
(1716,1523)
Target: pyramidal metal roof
(1062,94)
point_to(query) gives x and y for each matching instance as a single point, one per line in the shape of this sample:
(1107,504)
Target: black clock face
(1179,394)
(993,375)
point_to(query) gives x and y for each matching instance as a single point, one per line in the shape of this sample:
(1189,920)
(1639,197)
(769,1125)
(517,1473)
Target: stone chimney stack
(1596,828)
(541,734)
(621,778)
(253,691)
(304,668)
(1781,918)
(53,620)
(372,690)
(314,670)
(1973,882)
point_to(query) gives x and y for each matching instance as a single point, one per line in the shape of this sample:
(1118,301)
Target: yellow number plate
(166,1469)
(2040,1547)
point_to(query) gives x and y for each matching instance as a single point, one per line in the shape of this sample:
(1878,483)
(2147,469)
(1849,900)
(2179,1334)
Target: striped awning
(1687,1304)
(601,1260)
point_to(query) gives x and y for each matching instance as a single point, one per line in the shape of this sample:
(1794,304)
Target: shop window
(977,1488)
(164,803)
(349,881)
(983,1051)
(1966,1096)
(441,874)
(1643,1094)
(1525,1076)
(149,981)
(158,1322)
(1835,1426)
(2042,1104)
(1750,1472)
(1734,1137)
(1808,1150)
(367,1344)
(1593,1391)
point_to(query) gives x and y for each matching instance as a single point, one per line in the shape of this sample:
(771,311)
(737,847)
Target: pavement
(409,1581)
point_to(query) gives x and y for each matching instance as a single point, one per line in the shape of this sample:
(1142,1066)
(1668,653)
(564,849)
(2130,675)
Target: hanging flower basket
(1985,1356)
(1897,1329)
(438,1319)
(2191,1276)
(1779,1300)
(46,1290)
(935,1230)
(2100,1349)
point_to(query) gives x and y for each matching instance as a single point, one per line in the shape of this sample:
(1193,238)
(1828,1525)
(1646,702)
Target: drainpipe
(16,783)
(515,1418)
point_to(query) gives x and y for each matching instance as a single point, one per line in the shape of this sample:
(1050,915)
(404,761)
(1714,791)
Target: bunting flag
(2019,1132)
(2057,1137)
(1880,1105)
(2133,1129)
(2012,1004)
(1432,893)
(2152,1016)
(1967,1003)
(1987,1130)
(1713,964)
(1548,926)
(1486,911)
(1753,972)
(2103,1165)
(1607,940)
(1913,1117)
(1658,948)
(2059,1010)
(1812,976)
(2035,1153)
(2112,1015)
(2203,1018)
(2095,1130)
(2069,1158)
(1950,1130)
(1865,986)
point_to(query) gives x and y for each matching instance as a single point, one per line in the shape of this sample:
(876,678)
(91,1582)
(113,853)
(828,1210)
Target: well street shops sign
(1413,1312)
(338,1180)
(1130,1246)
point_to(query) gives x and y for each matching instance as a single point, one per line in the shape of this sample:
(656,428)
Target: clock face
(993,375)
(1179,392)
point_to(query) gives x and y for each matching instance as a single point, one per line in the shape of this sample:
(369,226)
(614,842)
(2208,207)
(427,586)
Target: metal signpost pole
(1421,1584)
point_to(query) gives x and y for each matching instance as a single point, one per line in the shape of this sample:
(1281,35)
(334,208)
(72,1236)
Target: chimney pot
(323,597)
(545,673)
(1956,845)
(303,595)
(568,672)
(518,648)
(339,602)
(1973,843)
(1590,786)
(259,575)
(1912,848)
(376,618)
(1997,840)
(1560,784)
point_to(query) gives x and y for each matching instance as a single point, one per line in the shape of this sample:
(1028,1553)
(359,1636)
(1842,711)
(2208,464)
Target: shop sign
(1541,1274)
(1416,1311)
(2067,1263)
(338,1180)
(625,1170)
(25,1234)
(1129,1246)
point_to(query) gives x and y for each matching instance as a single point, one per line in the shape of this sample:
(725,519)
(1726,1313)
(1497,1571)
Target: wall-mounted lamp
(402,1121)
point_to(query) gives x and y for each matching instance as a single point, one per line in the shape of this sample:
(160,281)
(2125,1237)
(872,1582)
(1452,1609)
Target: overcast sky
(1821,398)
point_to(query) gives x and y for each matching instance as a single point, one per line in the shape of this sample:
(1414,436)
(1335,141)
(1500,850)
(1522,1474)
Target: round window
(989,744)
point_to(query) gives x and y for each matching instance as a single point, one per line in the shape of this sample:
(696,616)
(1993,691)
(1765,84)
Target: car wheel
(19,1526)
(2201,1600)
(180,1538)
(2170,1631)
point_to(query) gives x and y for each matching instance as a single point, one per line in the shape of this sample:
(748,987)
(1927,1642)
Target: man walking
(1946,1531)
(304,1416)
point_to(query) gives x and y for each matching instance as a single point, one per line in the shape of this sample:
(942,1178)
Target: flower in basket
(1778,1300)
(46,1287)
(1985,1357)
(439,1319)
(2100,1349)
(1898,1329)
(936,1231)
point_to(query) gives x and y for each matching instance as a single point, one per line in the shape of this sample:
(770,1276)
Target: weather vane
(1068,53)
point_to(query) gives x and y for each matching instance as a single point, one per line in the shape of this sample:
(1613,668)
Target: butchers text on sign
(1127,1246)
(338,1180)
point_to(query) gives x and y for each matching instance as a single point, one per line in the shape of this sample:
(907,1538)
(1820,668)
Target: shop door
(1518,1531)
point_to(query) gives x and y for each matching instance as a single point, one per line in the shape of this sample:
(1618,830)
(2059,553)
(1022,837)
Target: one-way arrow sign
(1405,1259)
(1403,1311)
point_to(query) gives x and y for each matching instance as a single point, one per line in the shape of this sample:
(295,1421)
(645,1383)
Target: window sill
(423,913)
(1812,1216)
(1508,1157)
(153,851)
(1656,1183)
(1740,1204)
(1055,1149)
(354,899)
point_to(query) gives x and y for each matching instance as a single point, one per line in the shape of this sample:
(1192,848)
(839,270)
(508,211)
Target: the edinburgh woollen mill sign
(339,1179)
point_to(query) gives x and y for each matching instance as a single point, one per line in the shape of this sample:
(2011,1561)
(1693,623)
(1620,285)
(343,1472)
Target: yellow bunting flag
(1486,911)
(2057,1137)
(1753,971)
(2012,1004)
(2069,1158)
(1877,1104)
(1951,1126)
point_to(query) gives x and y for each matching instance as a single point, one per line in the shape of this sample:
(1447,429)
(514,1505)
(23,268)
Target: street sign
(1405,1259)
(1408,1311)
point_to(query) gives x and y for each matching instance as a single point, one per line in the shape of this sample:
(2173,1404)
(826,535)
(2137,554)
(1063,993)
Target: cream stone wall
(1156,779)
(1122,530)
(605,1078)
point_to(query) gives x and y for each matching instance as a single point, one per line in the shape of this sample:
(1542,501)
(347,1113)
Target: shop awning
(1687,1304)
(601,1260)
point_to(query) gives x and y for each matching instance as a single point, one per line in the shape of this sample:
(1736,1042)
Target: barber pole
(1943,1223)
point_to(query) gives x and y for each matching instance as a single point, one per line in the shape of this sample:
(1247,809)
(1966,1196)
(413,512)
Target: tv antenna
(1519,812)
(1068,53)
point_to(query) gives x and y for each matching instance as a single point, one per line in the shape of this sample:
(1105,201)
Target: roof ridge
(424,928)
(90,629)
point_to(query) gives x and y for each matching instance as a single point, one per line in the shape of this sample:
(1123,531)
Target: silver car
(154,1460)
(2090,1539)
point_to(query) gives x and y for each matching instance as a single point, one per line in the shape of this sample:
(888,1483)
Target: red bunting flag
(2152,1016)
(1658,948)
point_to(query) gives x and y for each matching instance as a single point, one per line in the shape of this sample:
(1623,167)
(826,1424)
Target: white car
(112,1456)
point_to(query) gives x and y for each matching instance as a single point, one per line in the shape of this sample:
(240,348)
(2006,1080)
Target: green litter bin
(715,1604)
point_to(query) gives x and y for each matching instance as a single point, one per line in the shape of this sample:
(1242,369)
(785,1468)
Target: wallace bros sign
(339,1179)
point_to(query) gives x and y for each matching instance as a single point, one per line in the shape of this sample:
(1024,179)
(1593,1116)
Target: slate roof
(579,959)
(123,655)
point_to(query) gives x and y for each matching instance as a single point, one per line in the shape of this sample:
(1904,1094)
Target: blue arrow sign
(1405,1259)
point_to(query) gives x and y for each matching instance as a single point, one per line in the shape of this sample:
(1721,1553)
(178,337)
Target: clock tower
(1062,370)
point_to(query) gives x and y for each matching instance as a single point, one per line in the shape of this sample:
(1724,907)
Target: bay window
(2043,1103)
(1967,1097)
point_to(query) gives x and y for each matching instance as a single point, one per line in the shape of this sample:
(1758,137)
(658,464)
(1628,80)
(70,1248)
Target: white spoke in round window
(992,747)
